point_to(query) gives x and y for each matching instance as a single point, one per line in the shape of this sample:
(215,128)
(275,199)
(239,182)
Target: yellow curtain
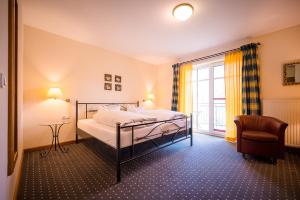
(233,91)
(185,95)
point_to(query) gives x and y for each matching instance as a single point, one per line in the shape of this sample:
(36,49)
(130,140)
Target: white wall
(3,100)
(8,184)
(78,69)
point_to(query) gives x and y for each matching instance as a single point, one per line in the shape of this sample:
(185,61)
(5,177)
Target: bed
(126,142)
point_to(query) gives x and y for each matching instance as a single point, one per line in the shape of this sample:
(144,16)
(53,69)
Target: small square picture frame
(107,86)
(108,77)
(118,79)
(118,87)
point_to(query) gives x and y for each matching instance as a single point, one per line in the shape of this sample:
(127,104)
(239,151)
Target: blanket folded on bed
(111,117)
(162,114)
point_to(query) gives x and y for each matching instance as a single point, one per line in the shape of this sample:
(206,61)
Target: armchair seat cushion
(261,136)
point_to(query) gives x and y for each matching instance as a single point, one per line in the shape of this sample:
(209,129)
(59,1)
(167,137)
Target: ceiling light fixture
(183,11)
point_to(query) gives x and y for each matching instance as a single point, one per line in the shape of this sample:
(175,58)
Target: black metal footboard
(188,135)
(149,142)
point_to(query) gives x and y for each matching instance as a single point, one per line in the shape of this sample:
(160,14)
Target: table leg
(63,149)
(45,153)
(55,140)
(55,135)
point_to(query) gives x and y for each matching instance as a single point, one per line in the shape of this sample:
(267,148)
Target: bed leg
(186,127)
(118,159)
(132,142)
(76,140)
(76,136)
(118,173)
(191,129)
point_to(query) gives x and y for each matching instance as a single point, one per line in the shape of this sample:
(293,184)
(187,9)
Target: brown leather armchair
(260,135)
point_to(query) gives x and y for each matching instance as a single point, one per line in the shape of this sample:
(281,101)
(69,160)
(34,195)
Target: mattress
(107,134)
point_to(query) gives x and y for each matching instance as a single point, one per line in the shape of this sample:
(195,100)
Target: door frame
(210,65)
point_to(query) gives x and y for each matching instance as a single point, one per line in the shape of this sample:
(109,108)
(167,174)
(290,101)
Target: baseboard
(46,146)
(294,150)
(19,175)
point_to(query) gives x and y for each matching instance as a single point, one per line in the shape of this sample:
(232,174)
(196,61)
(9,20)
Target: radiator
(287,110)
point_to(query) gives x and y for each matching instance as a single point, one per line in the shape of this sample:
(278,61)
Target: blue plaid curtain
(250,81)
(175,87)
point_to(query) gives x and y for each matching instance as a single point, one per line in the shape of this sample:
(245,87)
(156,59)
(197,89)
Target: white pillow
(110,118)
(133,108)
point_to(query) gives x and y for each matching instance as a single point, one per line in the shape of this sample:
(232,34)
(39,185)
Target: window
(209,114)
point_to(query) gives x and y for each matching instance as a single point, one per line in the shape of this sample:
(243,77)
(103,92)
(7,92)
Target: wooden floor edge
(19,176)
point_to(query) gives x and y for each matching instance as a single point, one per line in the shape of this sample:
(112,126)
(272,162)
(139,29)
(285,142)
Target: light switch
(3,80)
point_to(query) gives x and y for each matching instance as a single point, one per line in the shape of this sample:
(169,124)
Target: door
(209,115)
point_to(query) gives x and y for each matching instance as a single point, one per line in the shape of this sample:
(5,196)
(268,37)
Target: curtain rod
(211,56)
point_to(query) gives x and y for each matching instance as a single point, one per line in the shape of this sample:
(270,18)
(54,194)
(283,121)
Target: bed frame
(126,154)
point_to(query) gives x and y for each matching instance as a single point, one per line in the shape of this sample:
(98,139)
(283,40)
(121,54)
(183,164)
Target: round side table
(55,128)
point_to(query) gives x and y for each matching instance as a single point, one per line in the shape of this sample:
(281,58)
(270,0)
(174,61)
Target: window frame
(210,65)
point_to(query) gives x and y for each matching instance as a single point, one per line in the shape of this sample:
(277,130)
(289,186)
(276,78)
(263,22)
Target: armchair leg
(274,161)
(244,156)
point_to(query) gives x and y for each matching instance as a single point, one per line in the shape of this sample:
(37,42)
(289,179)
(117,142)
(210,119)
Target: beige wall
(8,184)
(78,69)
(165,81)
(277,48)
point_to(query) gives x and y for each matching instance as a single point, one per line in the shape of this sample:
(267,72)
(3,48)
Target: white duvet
(112,117)
(160,114)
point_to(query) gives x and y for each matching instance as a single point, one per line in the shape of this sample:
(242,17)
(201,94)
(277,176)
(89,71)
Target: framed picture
(291,73)
(108,77)
(118,79)
(118,87)
(107,86)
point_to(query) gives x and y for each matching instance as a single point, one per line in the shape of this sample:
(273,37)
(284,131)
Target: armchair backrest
(262,123)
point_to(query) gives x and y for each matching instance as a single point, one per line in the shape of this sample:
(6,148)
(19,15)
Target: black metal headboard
(87,111)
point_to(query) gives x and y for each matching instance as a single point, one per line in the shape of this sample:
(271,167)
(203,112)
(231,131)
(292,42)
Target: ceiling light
(183,11)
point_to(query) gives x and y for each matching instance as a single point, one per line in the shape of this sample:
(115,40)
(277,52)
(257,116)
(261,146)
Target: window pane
(194,75)
(219,88)
(219,71)
(219,115)
(203,116)
(203,91)
(203,74)
(203,105)
(194,85)
(195,121)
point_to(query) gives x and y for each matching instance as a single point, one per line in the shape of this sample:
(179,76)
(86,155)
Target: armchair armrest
(238,122)
(278,128)
(239,130)
(275,126)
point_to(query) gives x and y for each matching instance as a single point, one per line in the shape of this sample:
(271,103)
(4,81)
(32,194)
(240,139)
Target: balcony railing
(201,116)
(219,115)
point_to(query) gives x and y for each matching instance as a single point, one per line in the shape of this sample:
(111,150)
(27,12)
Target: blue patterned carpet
(211,169)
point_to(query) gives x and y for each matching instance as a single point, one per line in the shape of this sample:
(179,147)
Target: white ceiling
(146,30)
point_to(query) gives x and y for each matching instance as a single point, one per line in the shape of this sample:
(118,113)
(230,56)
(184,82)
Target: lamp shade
(183,11)
(150,97)
(54,93)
